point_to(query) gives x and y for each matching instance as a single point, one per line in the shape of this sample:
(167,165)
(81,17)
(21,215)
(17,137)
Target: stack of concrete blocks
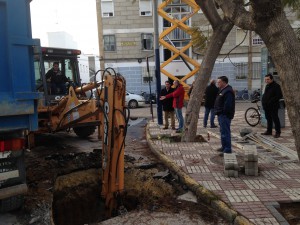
(251,160)
(231,167)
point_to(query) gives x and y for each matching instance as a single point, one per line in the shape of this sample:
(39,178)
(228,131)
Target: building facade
(128,32)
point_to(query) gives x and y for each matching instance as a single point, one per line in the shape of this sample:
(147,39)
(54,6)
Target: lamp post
(100,34)
(157,63)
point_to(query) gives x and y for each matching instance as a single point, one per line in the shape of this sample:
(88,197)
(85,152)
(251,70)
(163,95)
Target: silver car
(134,100)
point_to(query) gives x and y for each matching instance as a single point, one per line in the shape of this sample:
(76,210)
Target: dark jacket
(271,96)
(190,91)
(225,102)
(211,93)
(178,97)
(168,102)
(56,77)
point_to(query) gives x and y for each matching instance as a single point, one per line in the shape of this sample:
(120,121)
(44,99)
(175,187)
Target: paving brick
(231,173)
(253,197)
(230,162)
(250,153)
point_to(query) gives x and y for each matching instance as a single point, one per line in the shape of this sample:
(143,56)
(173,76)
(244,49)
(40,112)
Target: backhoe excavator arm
(114,118)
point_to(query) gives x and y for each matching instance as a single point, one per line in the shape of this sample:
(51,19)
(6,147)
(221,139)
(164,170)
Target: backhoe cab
(61,110)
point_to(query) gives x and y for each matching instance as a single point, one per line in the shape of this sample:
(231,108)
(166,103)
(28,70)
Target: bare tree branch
(234,11)
(210,11)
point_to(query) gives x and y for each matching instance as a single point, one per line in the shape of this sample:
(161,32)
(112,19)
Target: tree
(221,28)
(267,19)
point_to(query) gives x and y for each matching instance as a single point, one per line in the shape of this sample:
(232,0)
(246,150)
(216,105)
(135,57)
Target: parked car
(147,97)
(134,100)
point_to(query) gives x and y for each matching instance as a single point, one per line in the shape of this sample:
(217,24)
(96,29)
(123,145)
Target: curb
(202,193)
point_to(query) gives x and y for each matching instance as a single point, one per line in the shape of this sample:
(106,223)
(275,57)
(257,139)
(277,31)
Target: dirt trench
(64,180)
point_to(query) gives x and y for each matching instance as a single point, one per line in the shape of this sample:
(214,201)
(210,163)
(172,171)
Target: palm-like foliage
(199,40)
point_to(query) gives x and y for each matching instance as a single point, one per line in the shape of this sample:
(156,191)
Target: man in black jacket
(270,103)
(168,106)
(211,93)
(57,79)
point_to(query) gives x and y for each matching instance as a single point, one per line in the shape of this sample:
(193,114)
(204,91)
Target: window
(178,38)
(178,45)
(107,8)
(256,70)
(109,42)
(147,41)
(148,76)
(145,7)
(241,71)
(256,40)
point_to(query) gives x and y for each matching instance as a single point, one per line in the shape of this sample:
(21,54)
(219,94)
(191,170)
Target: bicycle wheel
(246,97)
(252,116)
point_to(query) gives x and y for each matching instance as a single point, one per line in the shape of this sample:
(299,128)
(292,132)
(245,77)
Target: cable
(228,54)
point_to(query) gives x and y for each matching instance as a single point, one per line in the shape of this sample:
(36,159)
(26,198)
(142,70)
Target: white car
(134,100)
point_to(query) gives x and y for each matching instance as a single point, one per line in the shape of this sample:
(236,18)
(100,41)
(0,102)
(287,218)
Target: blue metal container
(18,97)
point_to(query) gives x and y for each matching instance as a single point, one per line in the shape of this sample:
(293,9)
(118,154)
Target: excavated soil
(291,212)
(64,180)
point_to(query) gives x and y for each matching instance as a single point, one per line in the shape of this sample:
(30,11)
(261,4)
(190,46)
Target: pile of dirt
(63,176)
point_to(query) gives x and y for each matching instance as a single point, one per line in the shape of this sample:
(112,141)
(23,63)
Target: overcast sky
(76,17)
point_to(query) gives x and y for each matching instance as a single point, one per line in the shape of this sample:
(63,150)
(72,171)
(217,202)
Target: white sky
(76,17)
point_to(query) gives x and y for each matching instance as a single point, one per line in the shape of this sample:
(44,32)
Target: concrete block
(250,153)
(230,161)
(251,168)
(251,172)
(231,173)
(251,165)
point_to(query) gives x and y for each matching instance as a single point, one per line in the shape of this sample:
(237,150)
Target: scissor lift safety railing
(176,23)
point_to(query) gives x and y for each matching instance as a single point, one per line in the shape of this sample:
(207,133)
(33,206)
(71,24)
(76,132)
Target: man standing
(270,103)
(225,109)
(57,79)
(211,93)
(178,96)
(167,106)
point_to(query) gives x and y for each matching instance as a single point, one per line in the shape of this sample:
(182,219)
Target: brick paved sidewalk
(256,198)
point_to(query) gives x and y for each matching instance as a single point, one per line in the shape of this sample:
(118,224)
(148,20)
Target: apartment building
(128,30)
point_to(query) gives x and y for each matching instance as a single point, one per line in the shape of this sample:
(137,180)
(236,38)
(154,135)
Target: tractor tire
(84,132)
(12,203)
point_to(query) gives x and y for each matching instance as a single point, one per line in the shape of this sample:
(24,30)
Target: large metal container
(17,87)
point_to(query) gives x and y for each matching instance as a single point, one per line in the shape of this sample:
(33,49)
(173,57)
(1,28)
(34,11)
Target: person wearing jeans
(178,97)
(179,116)
(225,109)
(225,122)
(211,93)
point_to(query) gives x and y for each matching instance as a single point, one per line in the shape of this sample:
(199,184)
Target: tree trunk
(214,47)
(284,48)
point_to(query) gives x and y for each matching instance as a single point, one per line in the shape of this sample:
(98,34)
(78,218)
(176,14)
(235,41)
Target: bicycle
(253,115)
(242,95)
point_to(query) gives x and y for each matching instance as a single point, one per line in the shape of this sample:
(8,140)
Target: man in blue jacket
(225,109)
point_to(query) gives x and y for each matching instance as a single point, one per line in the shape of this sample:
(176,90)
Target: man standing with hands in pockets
(225,109)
